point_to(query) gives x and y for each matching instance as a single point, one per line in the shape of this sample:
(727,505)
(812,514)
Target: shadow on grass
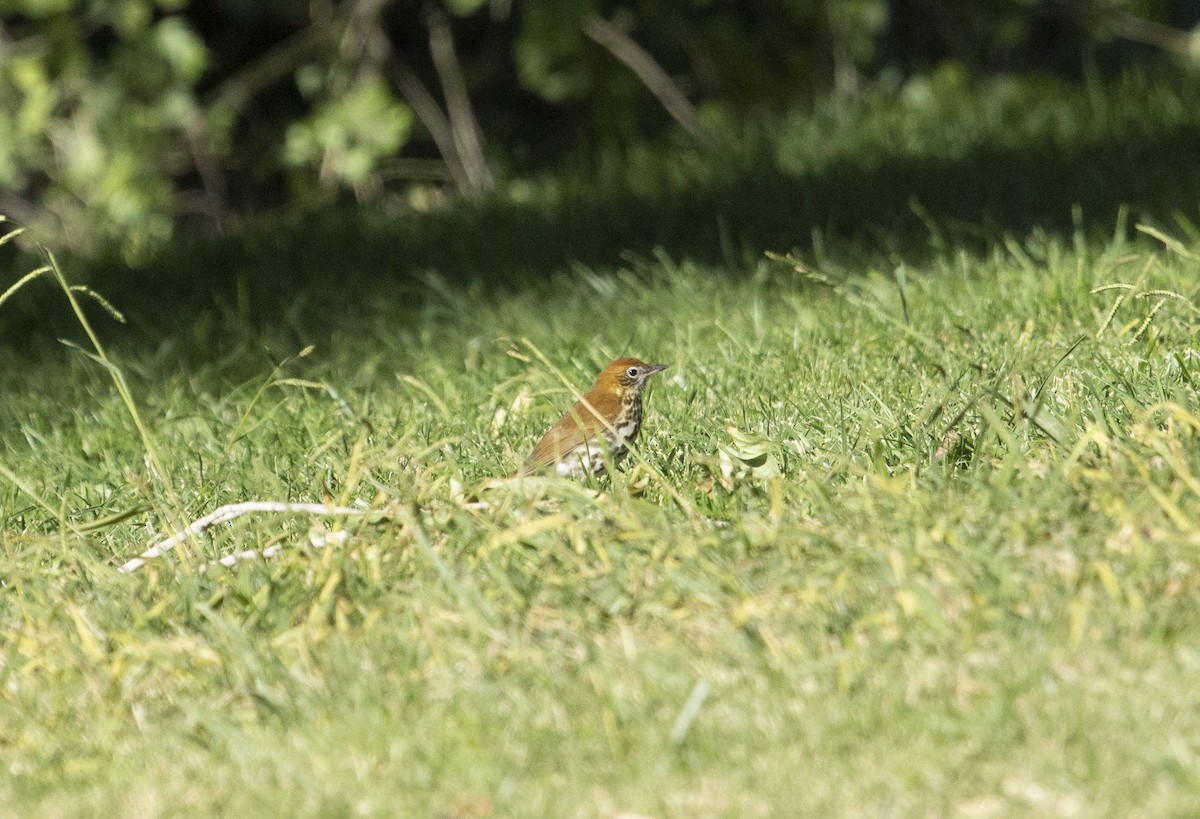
(723,207)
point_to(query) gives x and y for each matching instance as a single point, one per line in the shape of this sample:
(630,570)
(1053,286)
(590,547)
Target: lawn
(911,529)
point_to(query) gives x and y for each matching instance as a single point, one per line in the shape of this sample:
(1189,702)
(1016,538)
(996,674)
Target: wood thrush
(606,420)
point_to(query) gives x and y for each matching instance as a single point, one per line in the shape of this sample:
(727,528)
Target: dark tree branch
(208,167)
(275,65)
(430,113)
(364,40)
(1150,33)
(652,75)
(464,127)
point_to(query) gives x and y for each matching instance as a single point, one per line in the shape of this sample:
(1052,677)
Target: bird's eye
(632,372)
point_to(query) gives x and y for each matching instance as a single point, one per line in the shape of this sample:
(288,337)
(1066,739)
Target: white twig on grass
(228,513)
(230,560)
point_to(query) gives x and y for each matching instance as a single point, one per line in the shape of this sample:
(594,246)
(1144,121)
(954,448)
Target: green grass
(944,563)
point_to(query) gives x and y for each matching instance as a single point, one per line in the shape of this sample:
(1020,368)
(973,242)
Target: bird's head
(626,375)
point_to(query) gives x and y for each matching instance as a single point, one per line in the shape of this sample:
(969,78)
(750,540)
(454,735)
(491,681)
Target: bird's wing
(577,426)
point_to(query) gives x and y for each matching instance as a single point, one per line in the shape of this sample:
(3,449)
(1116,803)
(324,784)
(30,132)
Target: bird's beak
(656,368)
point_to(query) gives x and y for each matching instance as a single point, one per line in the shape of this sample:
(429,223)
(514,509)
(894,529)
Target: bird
(607,419)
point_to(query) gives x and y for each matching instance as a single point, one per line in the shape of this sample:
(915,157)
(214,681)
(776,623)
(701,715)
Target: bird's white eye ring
(632,372)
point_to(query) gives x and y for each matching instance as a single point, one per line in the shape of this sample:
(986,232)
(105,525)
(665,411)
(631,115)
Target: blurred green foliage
(121,120)
(90,130)
(344,138)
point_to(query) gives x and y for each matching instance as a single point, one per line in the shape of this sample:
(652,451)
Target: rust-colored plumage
(606,420)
